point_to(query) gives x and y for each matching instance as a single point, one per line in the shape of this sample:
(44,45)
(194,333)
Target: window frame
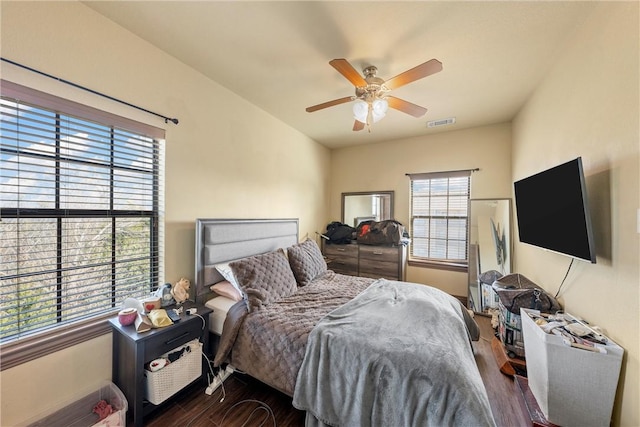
(436,263)
(36,344)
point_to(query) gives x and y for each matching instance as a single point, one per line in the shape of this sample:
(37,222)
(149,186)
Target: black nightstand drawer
(182,332)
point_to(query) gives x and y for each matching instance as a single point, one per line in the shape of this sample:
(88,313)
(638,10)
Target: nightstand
(132,350)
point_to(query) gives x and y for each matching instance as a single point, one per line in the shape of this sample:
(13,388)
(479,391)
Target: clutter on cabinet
(164,293)
(150,312)
(152,303)
(142,323)
(159,318)
(127,316)
(133,303)
(573,331)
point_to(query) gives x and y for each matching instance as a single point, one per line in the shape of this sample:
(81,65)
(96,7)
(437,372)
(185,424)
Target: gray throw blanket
(396,355)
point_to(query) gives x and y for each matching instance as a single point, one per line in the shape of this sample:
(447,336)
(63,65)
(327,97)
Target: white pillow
(227,273)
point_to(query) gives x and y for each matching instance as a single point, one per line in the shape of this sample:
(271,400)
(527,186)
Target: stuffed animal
(180,290)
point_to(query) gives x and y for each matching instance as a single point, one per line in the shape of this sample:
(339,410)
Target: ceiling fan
(372,95)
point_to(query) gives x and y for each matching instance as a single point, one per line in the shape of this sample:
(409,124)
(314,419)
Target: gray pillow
(264,278)
(306,261)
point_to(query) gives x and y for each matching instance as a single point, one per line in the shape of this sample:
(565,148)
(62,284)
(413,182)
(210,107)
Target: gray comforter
(398,354)
(269,343)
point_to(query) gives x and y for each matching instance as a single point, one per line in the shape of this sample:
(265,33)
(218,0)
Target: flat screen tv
(553,213)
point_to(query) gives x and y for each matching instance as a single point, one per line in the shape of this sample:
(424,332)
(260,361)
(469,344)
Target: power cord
(565,278)
(210,369)
(201,318)
(269,415)
(261,407)
(203,411)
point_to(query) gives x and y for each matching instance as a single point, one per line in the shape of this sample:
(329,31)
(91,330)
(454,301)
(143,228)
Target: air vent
(441,122)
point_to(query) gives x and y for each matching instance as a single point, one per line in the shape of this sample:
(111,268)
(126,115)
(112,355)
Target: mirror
(489,250)
(365,206)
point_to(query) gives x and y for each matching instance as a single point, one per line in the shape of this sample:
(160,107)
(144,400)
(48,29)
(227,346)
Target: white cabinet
(573,386)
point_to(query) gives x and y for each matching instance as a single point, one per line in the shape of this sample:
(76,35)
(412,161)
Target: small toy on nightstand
(180,290)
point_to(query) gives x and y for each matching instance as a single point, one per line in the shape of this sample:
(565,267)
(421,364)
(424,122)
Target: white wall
(588,106)
(382,167)
(226,158)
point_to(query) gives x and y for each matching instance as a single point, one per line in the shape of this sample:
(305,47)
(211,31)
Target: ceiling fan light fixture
(379,109)
(360,111)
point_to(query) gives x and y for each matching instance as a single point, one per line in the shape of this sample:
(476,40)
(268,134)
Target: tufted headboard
(224,240)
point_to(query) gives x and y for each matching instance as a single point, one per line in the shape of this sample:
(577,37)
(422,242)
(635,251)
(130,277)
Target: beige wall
(588,106)
(381,167)
(224,159)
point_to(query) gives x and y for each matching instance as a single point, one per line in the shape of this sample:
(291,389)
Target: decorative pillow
(264,278)
(306,261)
(226,289)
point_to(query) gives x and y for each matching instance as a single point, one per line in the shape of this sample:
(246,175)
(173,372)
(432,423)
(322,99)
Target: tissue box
(573,387)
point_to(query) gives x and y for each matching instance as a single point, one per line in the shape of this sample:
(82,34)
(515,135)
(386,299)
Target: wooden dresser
(367,260)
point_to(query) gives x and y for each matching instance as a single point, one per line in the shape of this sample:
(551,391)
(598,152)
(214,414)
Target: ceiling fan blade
(329,104)
(347,70)
(430,67)
(406,107)
(357,125)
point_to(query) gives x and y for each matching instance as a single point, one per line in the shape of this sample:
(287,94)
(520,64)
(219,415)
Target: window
(439,218)
(81,202)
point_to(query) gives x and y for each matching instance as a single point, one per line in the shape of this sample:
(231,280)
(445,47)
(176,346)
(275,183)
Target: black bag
(387,232)
(339,233)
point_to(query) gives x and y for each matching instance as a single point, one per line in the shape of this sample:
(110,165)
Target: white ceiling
(276,54)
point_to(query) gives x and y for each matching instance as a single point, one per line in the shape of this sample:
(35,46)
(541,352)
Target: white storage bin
(573,387)
(80,413)
(161,385)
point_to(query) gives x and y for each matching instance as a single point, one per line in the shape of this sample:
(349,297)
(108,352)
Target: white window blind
(439,217)
(81,203)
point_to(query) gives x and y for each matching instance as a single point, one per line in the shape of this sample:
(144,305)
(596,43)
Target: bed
(348,350)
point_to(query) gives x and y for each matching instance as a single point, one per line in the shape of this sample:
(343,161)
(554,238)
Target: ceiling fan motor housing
(374,88)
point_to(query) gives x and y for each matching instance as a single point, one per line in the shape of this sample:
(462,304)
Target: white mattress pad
(220,306)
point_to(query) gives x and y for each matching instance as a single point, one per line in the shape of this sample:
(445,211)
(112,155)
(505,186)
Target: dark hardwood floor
(248,402)
(502,390)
